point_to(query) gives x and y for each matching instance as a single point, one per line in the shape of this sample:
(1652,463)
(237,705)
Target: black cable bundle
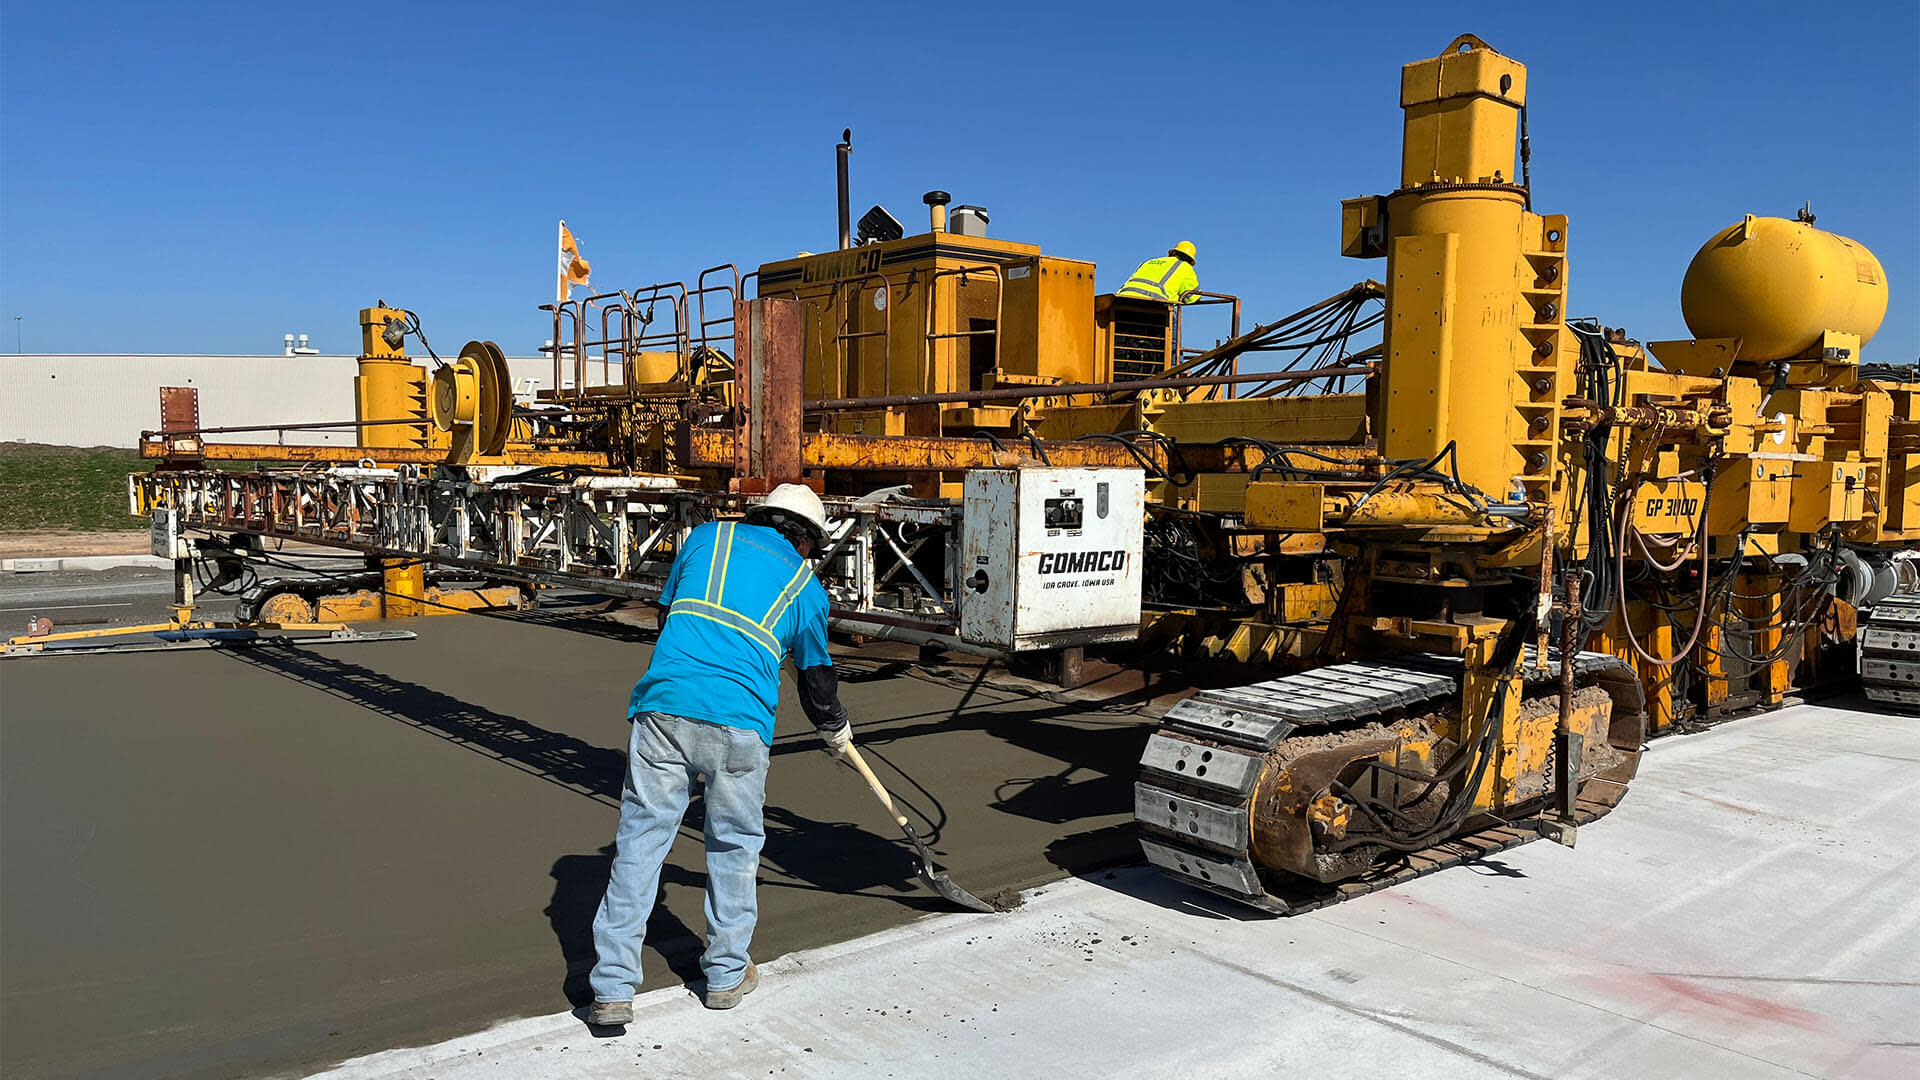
(1397,829)
(1317,336)
(1602,379)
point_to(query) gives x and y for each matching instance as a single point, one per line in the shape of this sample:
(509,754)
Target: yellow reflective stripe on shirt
(1144,285)
(787,596)
(731,619)
(717,569)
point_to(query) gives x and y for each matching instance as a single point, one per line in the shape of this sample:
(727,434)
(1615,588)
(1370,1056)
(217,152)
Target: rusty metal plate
(779,363)
(179,409)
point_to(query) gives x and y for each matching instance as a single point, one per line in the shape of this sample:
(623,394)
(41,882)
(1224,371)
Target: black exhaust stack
(846,208)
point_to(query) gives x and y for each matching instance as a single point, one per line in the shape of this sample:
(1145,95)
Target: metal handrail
(701,289)
(841,338)
(933,294)
(1180,352)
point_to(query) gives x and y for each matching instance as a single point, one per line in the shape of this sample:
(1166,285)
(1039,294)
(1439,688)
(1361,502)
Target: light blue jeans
(664,755)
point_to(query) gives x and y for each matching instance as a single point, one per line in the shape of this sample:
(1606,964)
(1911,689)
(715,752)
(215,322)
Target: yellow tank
(1777,285)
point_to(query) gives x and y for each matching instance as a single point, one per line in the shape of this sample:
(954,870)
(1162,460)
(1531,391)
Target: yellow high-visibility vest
(1167,279)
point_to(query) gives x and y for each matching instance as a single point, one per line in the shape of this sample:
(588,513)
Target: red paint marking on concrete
(1746,1005)
(1668,992)
(1417,905)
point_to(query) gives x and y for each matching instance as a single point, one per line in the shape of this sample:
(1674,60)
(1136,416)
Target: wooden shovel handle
(860,765)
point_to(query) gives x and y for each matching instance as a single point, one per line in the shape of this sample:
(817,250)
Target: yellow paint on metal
(653,368)
(360,606)
(453,601)
(382,455)
(1668,506)
(1406,504)
(1524,769)
(1284,505)
(287,607)
(1826,492)
(1360,230)
(389,387)
(1478,355)
(1462,115)
(456,395)
(405,584)
(1749,492)
(1329,418)
(374,322)
(1778,285)
(1302,602)
(392,390)
(30,644)
(1759,599)
(1218,493)
(918,314)
(1706,357)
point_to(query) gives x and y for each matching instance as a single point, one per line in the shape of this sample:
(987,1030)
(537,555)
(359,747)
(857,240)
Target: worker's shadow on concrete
(572,763)
(841,858)
(835,858)
(600,620)
(579,881)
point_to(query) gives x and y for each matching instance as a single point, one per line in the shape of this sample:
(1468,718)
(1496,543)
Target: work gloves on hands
(838,740)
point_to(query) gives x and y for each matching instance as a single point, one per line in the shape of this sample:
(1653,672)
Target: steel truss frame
(613,535)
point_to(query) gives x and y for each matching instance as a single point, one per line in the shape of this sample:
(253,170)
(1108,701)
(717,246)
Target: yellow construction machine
(1471,565)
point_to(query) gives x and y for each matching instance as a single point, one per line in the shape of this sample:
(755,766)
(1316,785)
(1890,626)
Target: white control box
(1050,557)
(167,541)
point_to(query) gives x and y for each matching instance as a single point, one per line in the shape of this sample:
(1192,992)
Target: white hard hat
(800,501)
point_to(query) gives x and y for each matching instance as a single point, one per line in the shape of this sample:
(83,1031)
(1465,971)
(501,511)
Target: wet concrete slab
(235,863)
(1752,910)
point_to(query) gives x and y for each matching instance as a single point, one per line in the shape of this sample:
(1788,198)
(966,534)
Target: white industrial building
(68,399)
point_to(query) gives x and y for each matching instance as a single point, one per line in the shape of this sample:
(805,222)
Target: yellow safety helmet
(1182,250)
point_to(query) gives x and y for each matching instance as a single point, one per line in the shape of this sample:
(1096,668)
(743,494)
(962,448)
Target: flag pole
(559,248)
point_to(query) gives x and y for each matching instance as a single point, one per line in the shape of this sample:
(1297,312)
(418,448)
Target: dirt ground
(52,543)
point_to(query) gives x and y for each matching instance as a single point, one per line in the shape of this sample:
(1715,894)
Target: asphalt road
(228,863)
(125,596)
(87,600)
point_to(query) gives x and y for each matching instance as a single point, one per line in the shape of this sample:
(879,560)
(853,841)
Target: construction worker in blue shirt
(740,600)
(1169,279)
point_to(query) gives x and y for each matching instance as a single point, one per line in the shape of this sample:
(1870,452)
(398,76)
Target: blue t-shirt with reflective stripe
(740,600)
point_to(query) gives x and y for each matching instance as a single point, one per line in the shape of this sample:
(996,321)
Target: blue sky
(206,177)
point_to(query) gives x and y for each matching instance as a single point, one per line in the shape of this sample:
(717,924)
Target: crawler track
(1200,770)
(1890,653)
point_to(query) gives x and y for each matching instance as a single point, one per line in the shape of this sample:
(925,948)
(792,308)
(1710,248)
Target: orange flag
(574,270)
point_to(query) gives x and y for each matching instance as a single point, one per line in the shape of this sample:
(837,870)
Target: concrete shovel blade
(940,882)
(935,880)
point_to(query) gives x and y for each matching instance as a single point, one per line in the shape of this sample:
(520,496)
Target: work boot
(727,999)
(610,1013)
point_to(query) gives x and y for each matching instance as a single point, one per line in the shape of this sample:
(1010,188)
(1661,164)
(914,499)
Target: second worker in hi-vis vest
(1169,279)
(740,600)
